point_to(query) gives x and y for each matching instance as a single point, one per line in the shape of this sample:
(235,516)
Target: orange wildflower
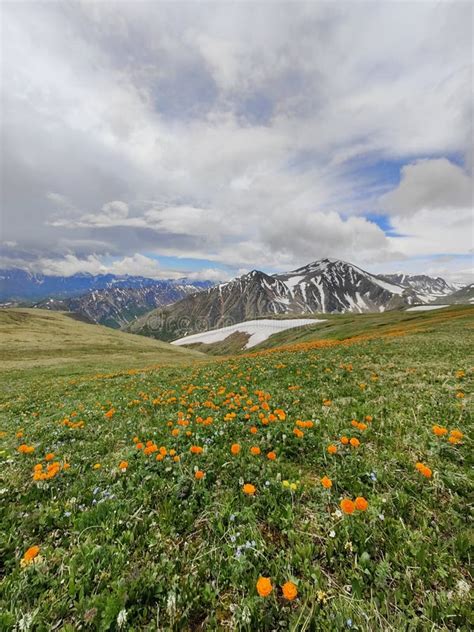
(427,472)
(109,414)
(264,586)
(139,446)
(272,456)
(198,475)
(298,433)
(235,448)
(332,449)
(347,506)
(355,443)
(123,465)
(326,482)
(361,504)
(423,469)
(457,434)
(30,555)
(255,450)
(439,431)
(253,430)
(196,449)
(25,449)
(249,489)
(345,440)
(49,456)
(290,591)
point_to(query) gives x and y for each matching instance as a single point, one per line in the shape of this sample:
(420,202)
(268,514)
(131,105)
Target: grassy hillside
(33,340)
(342,326)
(159,499)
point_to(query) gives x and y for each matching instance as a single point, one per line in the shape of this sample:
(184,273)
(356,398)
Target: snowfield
(259,330)
(425,308)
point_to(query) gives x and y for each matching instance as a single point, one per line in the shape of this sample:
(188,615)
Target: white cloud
(435,184)
(231,133)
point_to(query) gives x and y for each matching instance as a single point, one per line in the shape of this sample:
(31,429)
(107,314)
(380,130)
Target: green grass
(41,341)
(340,327)
(176,553)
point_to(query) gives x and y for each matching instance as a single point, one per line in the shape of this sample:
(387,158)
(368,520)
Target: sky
(208,139)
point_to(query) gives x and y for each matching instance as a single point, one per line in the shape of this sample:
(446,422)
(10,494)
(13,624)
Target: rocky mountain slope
(463,296)
(117,306)
(426,288)
(323,286)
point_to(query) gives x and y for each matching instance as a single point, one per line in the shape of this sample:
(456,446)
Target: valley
(145,481)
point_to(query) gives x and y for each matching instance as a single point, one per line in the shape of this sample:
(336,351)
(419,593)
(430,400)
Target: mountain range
(323,286)
(105,299)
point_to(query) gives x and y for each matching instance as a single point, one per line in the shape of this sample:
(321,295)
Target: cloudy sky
(209,139)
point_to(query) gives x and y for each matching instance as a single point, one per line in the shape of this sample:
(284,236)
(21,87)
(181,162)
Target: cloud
(435,184)
(232,133)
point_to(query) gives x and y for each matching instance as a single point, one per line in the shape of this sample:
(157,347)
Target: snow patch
(259,330)
(425,308)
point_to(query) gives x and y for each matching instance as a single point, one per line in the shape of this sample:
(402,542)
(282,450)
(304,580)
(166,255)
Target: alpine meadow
(236,316)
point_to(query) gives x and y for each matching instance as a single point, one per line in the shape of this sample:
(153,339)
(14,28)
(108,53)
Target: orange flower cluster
(110,413)
(73,424)
(359,425)
(52,469)
(348,506)
(304,424)
(455,435)
(332,449)
(423,469)
(265,587)
(26,449)
(196,449)
(255,450)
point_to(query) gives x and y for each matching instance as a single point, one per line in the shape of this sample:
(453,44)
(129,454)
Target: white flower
(332,534)
(25,622)
(462,587)
(121,618)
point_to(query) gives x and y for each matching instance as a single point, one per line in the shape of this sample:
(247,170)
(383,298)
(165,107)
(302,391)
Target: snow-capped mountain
(21,285)
(463,296)
(336,286)
(116,306)
(426,288)
(323,286)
